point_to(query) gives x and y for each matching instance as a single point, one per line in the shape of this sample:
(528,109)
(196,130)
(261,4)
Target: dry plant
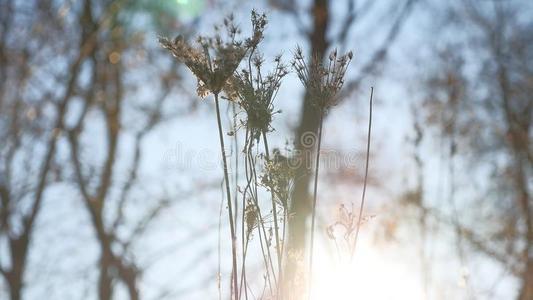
(323,85)
(269,174)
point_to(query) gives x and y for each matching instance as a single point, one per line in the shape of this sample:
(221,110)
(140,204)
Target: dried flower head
(256,92)
(279,177)
(322,82)
(259,22)
(251,217)
(345,225)
(214,59)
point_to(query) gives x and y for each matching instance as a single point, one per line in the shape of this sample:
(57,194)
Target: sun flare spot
(372,275)
(190,8)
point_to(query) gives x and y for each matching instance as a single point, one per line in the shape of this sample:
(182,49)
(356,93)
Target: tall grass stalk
(251,188)
(228,197)
(274,209)
(313,213)
(275,216)
(262,223)
(366,175)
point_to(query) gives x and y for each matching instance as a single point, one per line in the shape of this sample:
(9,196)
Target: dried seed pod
(214,60)
(255,93)
(323,83)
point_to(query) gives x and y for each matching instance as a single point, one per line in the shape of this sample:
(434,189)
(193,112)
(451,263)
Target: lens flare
(190,8)
(371,275)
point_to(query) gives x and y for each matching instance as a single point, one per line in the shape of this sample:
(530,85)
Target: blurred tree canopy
(83,85)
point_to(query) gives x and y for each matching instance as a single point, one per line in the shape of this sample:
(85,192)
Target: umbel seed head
(322,82)
(214,59)
(255,92)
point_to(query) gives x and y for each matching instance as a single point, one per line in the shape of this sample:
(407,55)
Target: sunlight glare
(372,275)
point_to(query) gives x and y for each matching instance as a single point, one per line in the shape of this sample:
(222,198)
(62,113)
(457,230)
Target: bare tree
(33,117)
(65,69)
(478,98)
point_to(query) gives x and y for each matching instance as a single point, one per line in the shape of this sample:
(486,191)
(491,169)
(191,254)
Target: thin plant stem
(228,195)
(275,215)
(250,176)
(274,209)
(243,221)
(280,286)
(219,279)
(366,176)
(236,169)
(261,220)
(244,251)
(243,272)
(315,189)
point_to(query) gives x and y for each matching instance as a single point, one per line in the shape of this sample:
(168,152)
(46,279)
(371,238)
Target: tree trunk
(524,201)
(526,291)
(19,256)
(105,284)
(300,206)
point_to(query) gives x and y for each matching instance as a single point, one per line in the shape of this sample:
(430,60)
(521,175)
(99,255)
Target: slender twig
(366,175)
(451,199)
(228,194)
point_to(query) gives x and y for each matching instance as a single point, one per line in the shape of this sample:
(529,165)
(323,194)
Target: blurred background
(110,181)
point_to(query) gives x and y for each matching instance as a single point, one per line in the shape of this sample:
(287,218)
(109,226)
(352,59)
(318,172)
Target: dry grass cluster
(225,64)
